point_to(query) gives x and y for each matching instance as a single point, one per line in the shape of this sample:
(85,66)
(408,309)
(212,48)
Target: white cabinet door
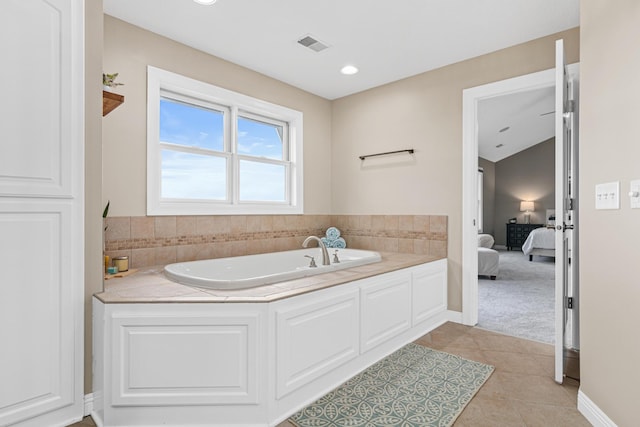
(429,290)
(315,334)
(185,357)
(41,212)
(385,307)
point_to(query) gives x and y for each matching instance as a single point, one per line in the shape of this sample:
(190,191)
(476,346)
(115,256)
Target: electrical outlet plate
(608,195)
(634,188)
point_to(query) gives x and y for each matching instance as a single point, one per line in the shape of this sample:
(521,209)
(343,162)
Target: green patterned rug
(414,387)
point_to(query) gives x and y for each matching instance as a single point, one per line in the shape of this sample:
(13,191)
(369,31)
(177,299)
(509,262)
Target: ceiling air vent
(313,43)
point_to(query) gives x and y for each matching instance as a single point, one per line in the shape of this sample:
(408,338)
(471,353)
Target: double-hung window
(214,151)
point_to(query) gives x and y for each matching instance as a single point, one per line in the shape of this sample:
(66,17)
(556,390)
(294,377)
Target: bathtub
(250,271)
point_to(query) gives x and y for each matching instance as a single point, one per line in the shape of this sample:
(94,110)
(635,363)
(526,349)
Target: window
(213,151)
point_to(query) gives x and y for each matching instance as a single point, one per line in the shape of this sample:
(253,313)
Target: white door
(41,212)
(566,280)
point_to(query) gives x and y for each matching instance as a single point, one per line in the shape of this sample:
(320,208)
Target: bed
(541,241)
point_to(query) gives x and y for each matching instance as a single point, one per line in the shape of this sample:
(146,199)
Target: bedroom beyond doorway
(520,302)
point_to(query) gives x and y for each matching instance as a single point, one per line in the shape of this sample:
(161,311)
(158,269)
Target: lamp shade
(526,206)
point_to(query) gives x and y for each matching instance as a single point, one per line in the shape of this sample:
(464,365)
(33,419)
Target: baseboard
(499,247)
(454,316)
(592,413)
(88,404)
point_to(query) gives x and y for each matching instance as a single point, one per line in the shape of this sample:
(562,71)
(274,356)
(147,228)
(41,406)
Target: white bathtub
(256,270)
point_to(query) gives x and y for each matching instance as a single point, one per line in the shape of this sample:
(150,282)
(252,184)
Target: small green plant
(105,212)
(109,80)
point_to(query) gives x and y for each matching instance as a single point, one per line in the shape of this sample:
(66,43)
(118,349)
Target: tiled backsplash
(167,239)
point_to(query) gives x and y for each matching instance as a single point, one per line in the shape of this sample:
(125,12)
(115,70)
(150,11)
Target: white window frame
(161,82)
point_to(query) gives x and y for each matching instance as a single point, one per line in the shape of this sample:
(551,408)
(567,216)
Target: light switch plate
(608,195)
(634,188)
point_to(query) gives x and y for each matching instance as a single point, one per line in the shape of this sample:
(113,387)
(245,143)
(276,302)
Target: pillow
(485,241)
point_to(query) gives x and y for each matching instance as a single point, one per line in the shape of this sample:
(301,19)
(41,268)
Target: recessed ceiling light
(504,129)
(205,2)
(349,70)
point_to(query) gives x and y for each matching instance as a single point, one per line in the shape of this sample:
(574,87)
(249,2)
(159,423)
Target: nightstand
(518,233)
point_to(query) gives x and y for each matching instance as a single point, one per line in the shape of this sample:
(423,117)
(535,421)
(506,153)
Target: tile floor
(521,391)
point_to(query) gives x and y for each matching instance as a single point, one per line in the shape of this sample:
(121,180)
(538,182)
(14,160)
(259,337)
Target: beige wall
(129,49)
(527,175)
(610,151)
(93,172)
(423,112)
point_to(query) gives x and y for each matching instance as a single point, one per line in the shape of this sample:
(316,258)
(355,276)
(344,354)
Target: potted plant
(109,81)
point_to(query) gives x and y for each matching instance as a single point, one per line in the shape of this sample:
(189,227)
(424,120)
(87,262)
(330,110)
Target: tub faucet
(325,253)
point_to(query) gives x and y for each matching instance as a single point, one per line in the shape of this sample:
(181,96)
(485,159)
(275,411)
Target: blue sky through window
(259,139)
(201,176)
(191,126)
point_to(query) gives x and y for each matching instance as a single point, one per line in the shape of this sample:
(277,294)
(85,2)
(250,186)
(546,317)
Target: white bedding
(540,238)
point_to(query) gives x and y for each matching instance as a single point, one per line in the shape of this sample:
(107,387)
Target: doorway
(516,146)
(471,99)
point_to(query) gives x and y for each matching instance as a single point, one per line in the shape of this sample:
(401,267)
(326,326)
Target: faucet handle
(313,261)
(335,257)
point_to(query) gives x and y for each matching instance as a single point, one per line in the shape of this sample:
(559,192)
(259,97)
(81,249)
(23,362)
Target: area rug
(414,387)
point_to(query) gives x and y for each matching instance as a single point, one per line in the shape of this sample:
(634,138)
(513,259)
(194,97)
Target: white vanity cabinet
(225,364)
(42,212)
(183,362)
(385,308)
(429,291)
(315,333)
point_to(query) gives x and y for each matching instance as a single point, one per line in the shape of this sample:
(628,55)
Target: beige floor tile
(492,389)
(519,363)
(498,342)
(534,347)
(86,422)
(550,416)
(534,389)
(483,412)
(468,353)
(547,364)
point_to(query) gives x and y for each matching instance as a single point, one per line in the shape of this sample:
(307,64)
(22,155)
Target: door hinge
(570,204)
(569,303)
(570,107)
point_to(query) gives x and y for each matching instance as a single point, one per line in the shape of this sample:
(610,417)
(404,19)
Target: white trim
(161,81)
(88,404)
(454,316)
(561,262)
(592,412)
(470,99)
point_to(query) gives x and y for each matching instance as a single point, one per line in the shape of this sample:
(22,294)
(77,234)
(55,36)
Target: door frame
(470,99)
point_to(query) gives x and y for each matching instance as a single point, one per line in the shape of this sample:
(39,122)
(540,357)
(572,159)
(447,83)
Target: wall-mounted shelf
(110,101)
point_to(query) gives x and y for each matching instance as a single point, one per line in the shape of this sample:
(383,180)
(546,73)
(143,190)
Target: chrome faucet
(325,254)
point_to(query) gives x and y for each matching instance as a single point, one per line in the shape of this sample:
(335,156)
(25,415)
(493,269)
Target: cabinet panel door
(429,290)
(37,306)
(313,337)
(385,305)
(41,212)
(38,122)
(184,359)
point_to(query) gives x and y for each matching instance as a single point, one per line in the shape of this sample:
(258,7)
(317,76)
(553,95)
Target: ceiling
(522,117)
(386,40)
